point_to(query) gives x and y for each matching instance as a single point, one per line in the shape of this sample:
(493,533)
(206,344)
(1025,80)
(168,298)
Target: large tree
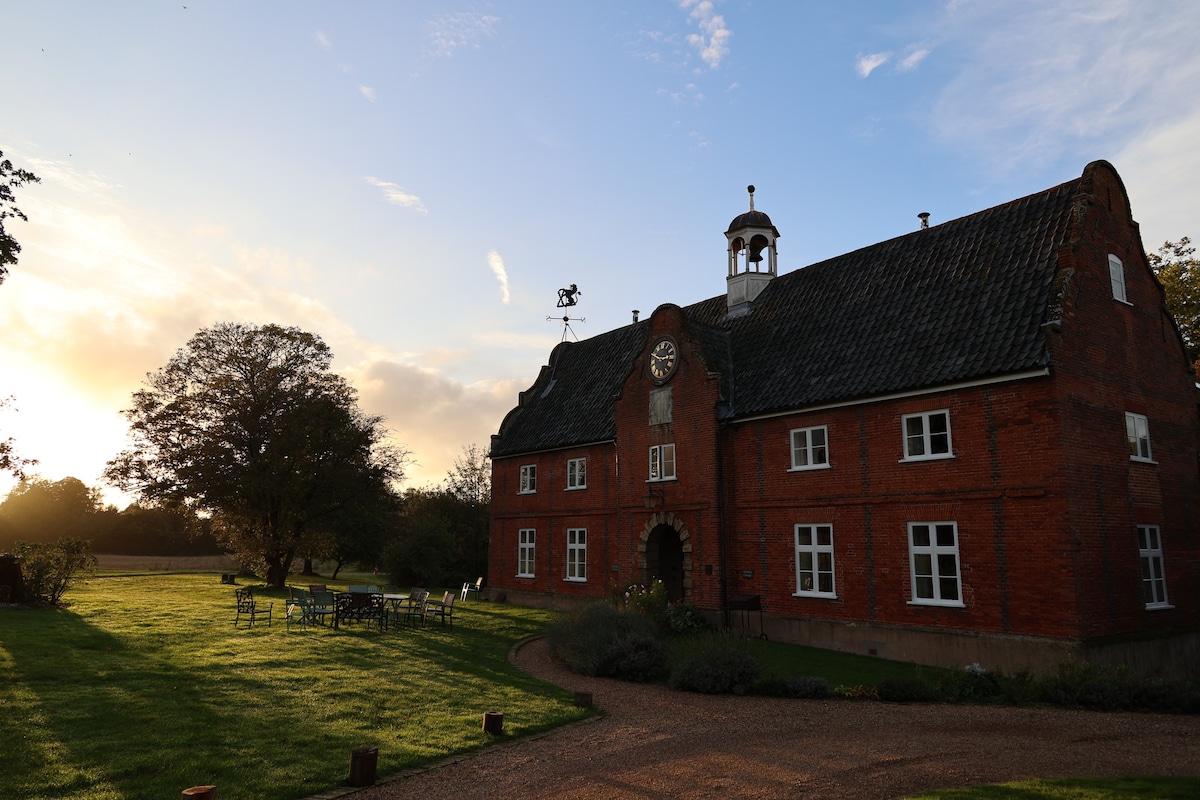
(249,425)
(1178,271)
(10,178)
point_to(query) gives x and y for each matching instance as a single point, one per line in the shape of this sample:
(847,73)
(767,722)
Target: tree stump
(493,722)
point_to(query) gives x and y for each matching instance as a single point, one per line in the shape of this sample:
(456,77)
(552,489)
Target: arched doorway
(664,560)
(667,555)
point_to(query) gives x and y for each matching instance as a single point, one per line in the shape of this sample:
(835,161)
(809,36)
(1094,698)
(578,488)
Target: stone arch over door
(665,535)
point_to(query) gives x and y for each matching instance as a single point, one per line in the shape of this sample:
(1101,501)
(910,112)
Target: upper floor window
(1137,431)
(526,543)
(577,554)
(528,478)
(927,436)
(576,473)
(814,559)
(1116,273)
(1154,582)
(662,462)
(809,450)
(933,563)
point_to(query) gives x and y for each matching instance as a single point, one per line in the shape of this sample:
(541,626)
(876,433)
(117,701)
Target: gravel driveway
(652,742)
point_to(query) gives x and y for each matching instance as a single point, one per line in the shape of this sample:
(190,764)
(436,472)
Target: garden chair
(313,588)
(299,608)
(250,608)
(443,609)
(322,606)
(374,609)
(475,587)
(418,605)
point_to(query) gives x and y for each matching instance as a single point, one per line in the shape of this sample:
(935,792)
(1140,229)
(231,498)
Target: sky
(414,182)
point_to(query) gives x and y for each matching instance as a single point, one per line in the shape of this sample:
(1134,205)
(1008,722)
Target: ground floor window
(814,559)
(1154,581)
(933,563)
(527,539)
(577,554)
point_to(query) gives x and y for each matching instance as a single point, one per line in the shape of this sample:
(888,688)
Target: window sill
(1159,606)
(1141,460)
(938,457)
(809,468)
(575,580)
(1123,302)
(574,488)
(672,479)
(817,595)
(533,492)
(937,603)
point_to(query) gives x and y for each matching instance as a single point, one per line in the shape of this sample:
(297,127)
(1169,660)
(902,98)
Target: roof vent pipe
(635,315)
(924,217)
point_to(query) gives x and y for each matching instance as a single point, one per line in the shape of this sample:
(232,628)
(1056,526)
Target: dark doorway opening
(664,560)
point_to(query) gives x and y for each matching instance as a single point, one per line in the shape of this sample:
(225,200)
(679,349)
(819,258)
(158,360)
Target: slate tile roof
(958,301)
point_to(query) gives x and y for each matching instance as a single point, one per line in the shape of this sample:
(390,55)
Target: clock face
(662,360)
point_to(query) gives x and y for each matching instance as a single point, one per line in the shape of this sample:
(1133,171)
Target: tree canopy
(1178,271)
(249,425)
(10,178)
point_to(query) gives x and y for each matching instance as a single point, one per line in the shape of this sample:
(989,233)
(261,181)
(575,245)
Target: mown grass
(142,687)
(1165,788)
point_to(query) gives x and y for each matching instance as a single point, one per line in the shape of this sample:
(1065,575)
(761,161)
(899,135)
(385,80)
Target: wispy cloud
(913,59)
(865,65)
(367,92)
(497,265)
(1035,80)
(713,40)
(447,33)
(397,195)
(323,40)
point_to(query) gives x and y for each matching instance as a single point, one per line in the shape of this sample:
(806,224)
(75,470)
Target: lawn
(142,687)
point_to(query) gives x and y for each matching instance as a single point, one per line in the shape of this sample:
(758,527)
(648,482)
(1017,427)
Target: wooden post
(493,722)
(363,762)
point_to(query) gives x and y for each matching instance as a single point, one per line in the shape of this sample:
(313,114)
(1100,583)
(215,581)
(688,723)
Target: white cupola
(751,238)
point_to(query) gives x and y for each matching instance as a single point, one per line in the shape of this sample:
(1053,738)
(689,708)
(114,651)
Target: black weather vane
(566,299)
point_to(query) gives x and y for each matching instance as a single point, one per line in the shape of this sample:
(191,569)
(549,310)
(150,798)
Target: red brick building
(973,443)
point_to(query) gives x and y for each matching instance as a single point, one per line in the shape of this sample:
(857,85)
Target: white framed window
(576,473)
(528,478)
(933,563)
(810,448)
(1137,431)
(526,550)
(577,554)
(662,462)
(927,436)
(1116,274)
(814,560)
(1154,580)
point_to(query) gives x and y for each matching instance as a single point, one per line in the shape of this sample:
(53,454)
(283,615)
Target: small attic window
(1116,273)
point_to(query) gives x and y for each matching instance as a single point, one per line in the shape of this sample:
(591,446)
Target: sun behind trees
(248,425)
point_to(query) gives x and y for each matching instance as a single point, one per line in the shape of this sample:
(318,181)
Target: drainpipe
(721,529)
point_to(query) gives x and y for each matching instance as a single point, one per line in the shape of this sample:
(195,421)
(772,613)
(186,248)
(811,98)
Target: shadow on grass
(145,688)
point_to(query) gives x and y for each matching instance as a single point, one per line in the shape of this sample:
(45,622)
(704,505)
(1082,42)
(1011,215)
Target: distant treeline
(39,510)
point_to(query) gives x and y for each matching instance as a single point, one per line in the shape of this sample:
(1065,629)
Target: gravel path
(652,743)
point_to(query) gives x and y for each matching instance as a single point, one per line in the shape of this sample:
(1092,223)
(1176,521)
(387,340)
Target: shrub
(905,690)
(603,641)
(980,686)
(685,618)
(49,569)
(634,657)
(713,665)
